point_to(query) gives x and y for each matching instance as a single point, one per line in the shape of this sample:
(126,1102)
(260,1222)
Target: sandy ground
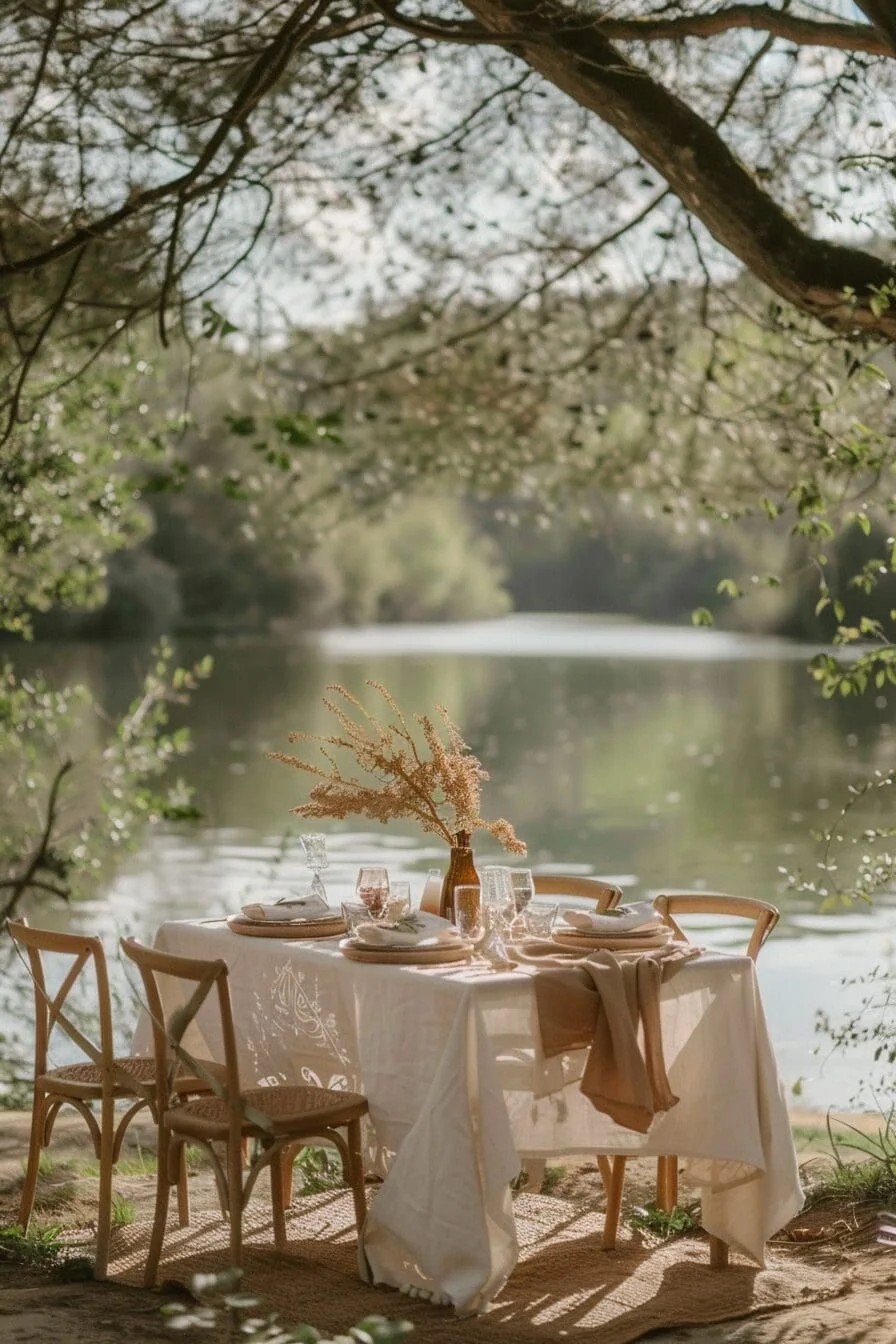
(34,1310)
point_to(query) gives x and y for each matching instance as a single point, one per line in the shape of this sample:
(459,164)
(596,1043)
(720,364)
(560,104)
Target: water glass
(372,889)
(468,916)
(399,903)
(355,913)
(523,888)
(497,896)
(538,920)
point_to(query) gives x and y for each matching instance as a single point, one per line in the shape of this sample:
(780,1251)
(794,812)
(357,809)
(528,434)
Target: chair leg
(718,1253)
(235,1202)
(666,1183)
(278,1201)
(160,1216)
(32,1166)
(673,1181)
(287,1162)
(605,1167)
(104,1213)
(614,1204)
(356,1172)
(183,1187)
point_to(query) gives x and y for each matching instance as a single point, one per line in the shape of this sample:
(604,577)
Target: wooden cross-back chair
(671,906)
(281,1118)
(604,894)
(101,1078)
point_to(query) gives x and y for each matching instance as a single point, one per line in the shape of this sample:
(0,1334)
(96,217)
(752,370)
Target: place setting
(299,914)
(627,930)
(383,928)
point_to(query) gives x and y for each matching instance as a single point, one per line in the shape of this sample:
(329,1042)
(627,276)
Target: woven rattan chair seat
(86,1079)
(289,1109)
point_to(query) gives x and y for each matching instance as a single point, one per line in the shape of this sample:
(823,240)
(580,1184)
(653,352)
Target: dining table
(461,1094)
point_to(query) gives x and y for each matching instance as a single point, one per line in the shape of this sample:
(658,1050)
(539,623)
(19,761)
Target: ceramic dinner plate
(325,927)
(438,955)
(591,942)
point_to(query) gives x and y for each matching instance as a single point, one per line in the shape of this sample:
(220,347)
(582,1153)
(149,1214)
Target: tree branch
(263,74)
(834,283)
(883,17)
(760,18)
(25,880)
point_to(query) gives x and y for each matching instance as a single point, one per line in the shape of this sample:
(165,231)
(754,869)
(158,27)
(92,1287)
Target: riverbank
(836,1237)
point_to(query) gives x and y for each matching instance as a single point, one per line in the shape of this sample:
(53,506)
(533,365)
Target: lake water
(658,757)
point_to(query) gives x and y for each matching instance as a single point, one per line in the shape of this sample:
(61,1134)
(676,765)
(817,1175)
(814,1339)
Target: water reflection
(704,768)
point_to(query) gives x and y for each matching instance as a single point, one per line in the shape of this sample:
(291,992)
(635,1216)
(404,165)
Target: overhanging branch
(838,285)
(862,37)
(883,16)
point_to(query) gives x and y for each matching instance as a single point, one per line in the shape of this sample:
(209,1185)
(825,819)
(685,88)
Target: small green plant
(853,1183)
(38,1248)
(56,1188)
(551,1179)
(124,1211)
(677,1223)
(220,1305)
(319,1168)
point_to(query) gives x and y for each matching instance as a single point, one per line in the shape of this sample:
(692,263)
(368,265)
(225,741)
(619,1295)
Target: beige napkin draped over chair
(609,1007)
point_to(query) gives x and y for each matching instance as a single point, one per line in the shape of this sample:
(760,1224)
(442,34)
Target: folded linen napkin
(417,929)
(612,1006)
(624,919)
(296,909)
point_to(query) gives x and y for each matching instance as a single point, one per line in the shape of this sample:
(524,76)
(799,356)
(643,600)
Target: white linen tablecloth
(460,1093)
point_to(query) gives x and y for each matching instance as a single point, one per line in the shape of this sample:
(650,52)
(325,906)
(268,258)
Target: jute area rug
(564,1285)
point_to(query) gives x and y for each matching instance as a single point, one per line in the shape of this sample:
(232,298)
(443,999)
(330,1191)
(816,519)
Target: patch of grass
(552,1178)
(319,1168)
(139,1163)
(38,1248)
(124,1211)
(56,1188)
(866,1182)
(677,1223)
(870,1180)
(808,1135)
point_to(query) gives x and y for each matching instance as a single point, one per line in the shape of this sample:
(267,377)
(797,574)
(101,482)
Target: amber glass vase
(461,872)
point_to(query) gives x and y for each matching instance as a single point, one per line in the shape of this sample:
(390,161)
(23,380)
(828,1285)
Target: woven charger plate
(595,943)
(405,956)
(270,928)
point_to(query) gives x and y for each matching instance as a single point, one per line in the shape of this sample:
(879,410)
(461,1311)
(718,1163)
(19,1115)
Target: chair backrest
(198,978)
(604,894)
(82,953)
(764,917)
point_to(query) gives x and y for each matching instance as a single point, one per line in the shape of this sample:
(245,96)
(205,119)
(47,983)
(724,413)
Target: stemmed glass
(498,906)
(372,889)
(317,859)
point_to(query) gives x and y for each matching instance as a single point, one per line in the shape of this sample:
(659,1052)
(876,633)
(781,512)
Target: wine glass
(499,911)
(372,888)
(317,859)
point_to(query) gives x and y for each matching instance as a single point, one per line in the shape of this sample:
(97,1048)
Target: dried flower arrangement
(441,791)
